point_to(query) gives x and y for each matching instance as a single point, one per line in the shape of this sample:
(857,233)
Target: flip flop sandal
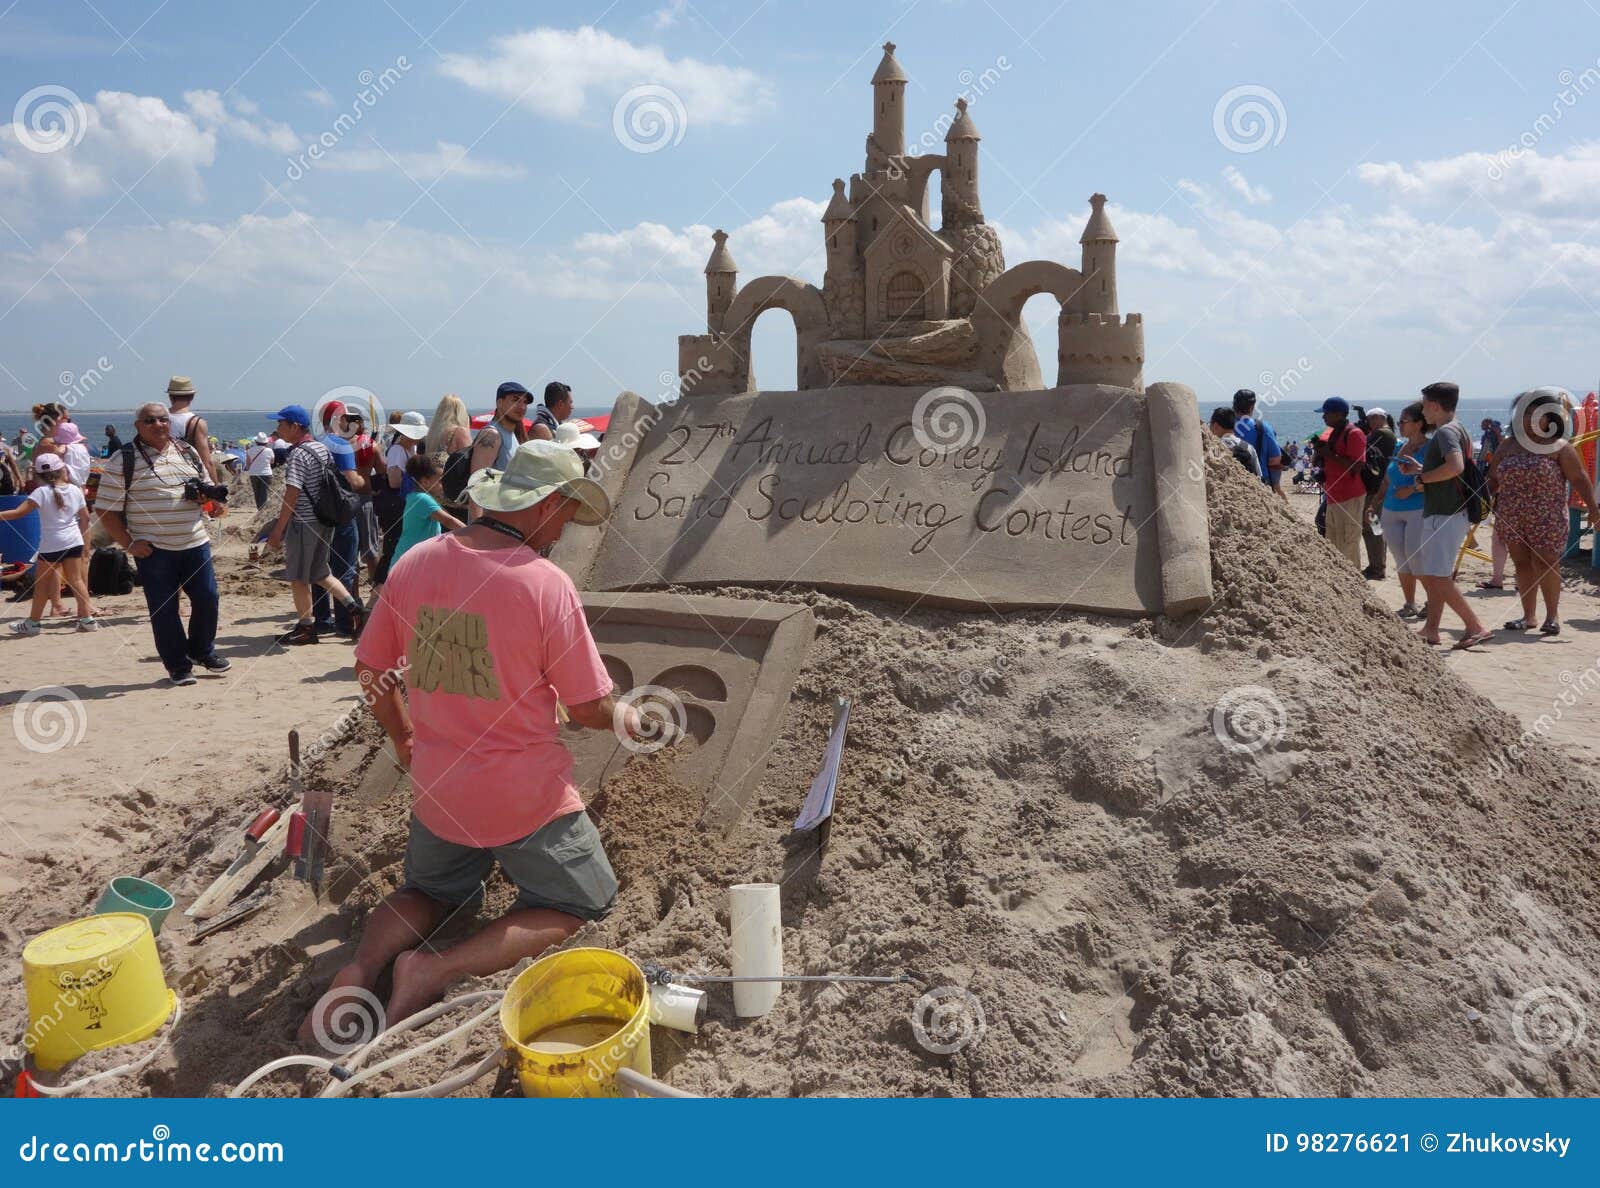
(1472,641)
(1550,628)
(1518,625)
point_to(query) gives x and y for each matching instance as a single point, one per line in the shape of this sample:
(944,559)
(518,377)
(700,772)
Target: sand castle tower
(722,276)
(889,105)
(842,287)
(905,305)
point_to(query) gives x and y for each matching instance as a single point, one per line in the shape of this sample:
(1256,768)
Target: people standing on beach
(1342,452)
(1445,520)
(498,440)
(1533,467)
(389,501)
(556,408)
(492,637)
(1398,502)
(1254,430)
(1489,440)
(1221,425)
(305,539)
(424,517)
(345,550)
(1381,441)
(113,442)
(187,425)
(63,527)
(144,503)
(451,427)
(369,539)
(10,473)
(258,466)
(74,452)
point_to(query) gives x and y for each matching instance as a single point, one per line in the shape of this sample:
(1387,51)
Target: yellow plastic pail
(92,984)
(572,1019)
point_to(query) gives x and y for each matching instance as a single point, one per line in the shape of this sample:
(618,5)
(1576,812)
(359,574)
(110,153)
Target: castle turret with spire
(904,304)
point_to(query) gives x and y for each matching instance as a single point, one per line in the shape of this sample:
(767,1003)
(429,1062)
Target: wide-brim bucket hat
(538,469)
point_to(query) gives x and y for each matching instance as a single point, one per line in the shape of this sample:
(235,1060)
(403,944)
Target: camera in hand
(198,491)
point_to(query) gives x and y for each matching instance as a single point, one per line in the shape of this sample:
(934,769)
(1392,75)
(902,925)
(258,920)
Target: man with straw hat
(489,637)
(188,426)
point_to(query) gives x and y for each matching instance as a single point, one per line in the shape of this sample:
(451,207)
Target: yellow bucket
(572,1019)
(92,984)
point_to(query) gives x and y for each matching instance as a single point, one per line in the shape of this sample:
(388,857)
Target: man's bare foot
(352,975)
(419,979)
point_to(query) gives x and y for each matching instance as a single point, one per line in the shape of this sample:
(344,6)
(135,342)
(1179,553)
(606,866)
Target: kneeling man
(490,636)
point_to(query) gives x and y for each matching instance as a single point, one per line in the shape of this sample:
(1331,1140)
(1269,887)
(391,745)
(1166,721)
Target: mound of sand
(1332,884)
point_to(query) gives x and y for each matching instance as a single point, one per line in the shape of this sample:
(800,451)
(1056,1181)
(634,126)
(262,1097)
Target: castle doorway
(904,297)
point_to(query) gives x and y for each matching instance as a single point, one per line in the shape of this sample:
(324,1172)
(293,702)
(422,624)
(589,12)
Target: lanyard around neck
(504,529)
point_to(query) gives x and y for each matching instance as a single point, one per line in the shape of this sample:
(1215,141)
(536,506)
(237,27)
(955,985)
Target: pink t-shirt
(490,639)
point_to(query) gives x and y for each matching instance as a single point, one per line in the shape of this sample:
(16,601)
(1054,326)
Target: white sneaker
(24,627)
(90,624)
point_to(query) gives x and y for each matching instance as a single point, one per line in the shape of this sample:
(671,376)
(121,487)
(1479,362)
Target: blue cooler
(19,539)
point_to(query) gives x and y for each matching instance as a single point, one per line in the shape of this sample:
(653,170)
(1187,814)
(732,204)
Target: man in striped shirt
(151,516)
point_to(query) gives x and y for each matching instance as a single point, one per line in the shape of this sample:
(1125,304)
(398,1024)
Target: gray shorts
(305,551)
(561,865)
(1441,541)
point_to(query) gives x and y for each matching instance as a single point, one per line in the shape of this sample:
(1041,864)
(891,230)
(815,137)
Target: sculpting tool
(254,832)
(244,908)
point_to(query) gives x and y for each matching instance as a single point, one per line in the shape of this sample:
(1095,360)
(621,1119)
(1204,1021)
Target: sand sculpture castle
(905,305)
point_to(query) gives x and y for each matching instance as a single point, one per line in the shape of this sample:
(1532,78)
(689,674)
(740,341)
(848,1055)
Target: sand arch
(803,303)
(1003,353)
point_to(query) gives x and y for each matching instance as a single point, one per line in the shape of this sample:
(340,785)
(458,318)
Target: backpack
(1376,463)
(1474,484)
(110,572)
(336,503)
(456,473)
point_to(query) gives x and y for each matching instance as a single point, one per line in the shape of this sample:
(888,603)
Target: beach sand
(1366,884)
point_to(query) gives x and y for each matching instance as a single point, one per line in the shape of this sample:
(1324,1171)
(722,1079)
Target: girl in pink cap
(63,525)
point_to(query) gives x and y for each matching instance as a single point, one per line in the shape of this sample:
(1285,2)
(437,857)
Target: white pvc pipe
(678,1007)
(460,1081)
(121,1070)
(282,1062)
(755,929)
(636,1084)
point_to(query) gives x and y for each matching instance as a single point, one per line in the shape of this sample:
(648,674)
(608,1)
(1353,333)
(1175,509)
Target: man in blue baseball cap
(306,539)
(494,444)
(1342,451)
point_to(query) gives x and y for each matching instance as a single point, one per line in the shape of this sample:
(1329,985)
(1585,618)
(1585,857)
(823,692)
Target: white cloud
(319,96)
(1240,185)
(665,18)
(1513,180)
(427,166)
(210,110)
(570,74)
(124,139)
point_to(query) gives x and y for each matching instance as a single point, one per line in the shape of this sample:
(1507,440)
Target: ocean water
(1288,418)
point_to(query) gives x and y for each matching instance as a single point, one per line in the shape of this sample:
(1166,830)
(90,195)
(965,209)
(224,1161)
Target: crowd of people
(1411,488)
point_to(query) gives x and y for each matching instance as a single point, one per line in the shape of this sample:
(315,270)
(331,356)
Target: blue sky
(1420,200)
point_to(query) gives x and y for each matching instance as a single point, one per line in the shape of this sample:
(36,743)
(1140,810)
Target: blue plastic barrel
(19,539)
